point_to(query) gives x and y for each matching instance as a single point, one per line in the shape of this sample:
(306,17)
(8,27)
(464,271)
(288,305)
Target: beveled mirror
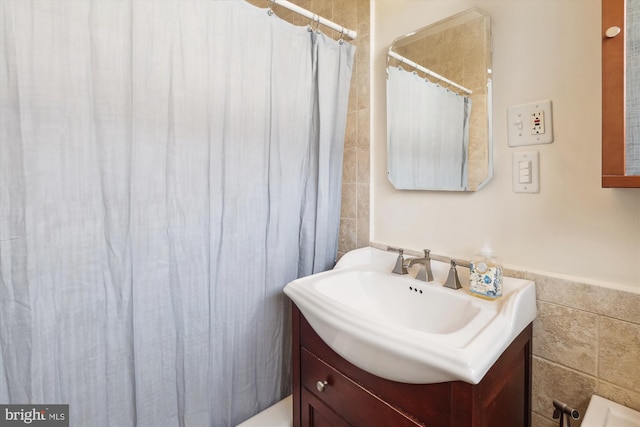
(438,105)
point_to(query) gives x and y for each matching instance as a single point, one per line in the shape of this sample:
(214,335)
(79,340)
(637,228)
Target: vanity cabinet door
(317,414)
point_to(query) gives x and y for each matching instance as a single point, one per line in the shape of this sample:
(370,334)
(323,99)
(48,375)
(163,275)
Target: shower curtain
(427,133)
(166,167)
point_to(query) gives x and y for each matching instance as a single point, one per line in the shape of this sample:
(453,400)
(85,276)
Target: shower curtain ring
(270,7)
(341,40)
(316,20)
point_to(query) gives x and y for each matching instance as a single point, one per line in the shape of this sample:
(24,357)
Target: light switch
(526,172)
(525,164)
(525,175)
(530,124)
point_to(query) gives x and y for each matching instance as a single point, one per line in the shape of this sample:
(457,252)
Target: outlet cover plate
(520,124)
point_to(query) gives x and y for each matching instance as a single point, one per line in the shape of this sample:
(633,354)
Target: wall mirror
(621,93)
(439,104)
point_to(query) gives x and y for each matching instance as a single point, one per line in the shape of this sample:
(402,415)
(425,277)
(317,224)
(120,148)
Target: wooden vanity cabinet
(353,397)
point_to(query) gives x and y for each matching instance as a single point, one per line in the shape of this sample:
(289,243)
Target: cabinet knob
(321,385)
(612,32)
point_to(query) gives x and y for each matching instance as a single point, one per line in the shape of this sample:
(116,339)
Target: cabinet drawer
(355,404)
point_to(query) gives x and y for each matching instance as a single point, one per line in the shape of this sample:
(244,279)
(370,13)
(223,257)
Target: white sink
(406,330)
(605,413)
(390,299)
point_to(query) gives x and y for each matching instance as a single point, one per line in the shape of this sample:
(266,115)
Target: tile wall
(586,340)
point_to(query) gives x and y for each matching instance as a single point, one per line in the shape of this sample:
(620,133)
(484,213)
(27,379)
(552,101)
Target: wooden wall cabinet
(329,391)
(614,172)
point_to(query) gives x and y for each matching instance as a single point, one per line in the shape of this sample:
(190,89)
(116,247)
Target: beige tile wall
(586,340)
(353,14)
(354,217)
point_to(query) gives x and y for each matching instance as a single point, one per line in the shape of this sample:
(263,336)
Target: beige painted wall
(543,49)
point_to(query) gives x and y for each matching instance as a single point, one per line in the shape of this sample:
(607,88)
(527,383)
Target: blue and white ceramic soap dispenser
(485,278)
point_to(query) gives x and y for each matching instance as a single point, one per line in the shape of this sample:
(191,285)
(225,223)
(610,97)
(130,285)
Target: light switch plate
(526,167)
(521,127)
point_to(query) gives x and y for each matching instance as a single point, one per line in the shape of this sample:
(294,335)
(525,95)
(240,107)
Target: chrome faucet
(399,268)
(425,274)
(453,282)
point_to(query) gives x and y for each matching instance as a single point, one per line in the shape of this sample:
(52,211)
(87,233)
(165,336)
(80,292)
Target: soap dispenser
(485,278)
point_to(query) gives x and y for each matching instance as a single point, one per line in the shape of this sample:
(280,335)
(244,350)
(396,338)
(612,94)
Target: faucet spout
(425,274)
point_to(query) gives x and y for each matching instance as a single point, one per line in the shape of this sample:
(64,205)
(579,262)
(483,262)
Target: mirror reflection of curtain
(166,167)
(427,134)
(632,61)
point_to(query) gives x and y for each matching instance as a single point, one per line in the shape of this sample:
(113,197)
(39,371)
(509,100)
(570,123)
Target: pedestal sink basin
(406,330)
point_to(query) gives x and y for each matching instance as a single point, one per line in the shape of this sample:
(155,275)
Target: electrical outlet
(530,124)
(537,122)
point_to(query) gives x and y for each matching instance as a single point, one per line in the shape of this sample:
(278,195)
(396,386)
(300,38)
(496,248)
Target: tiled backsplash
(586,340)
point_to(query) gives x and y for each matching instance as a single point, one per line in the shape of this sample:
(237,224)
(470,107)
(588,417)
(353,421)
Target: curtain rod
(315,18)
(427,71)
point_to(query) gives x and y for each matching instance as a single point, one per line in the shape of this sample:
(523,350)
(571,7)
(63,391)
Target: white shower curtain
(427,133)
(166,167)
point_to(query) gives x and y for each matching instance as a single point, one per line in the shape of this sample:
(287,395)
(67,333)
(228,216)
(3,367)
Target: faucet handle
(399,268)
(453,282)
